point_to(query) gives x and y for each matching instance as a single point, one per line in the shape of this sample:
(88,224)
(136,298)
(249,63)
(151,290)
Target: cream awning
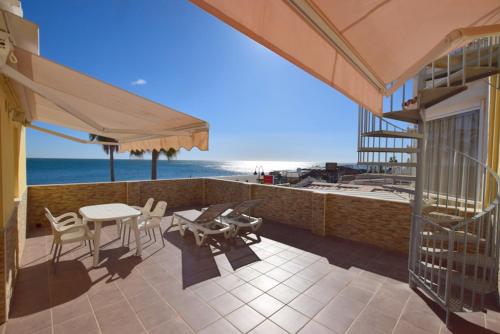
(363,48)
(58,95)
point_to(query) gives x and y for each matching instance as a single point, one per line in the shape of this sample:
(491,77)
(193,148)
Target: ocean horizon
(62,171)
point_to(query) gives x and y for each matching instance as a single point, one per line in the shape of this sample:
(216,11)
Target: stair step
(393,134)
(456,278)
(455,302)
(432,96)
(389,149)
(441,72)
(459,236)
(471,74)
(471,58)
(401,189)
(441,217)
(469,259)
(405,115)
(391,164)
(434,251)
(392,176)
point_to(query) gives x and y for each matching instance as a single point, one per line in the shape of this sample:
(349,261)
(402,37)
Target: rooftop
(365,191)
(288,281)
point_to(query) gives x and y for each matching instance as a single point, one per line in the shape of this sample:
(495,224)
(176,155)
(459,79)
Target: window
(450,174)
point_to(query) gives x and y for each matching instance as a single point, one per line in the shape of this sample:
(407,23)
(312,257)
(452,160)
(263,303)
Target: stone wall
(60,199)
(379,222)
(12,242)
(285,205)
(281,204)
(224,191)
(179,194)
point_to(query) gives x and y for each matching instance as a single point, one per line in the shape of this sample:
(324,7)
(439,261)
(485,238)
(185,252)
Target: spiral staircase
(454,240)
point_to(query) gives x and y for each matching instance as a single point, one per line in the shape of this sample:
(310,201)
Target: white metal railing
(454,248)
(384,154)
(483,52)
(455,256)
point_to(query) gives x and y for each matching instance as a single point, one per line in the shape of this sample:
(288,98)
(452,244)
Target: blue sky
(259,106)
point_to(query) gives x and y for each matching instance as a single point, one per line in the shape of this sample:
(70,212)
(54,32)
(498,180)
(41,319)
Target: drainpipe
(419,187)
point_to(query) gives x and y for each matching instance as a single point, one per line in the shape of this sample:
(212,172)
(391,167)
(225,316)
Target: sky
(259,106)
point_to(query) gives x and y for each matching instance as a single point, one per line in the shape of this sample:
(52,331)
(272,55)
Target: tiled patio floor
(289,281)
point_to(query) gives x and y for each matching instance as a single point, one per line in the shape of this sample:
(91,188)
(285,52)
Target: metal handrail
(479,252)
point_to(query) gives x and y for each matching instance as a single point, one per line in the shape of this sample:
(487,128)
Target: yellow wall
(12,157)
(13,195)
(493,133)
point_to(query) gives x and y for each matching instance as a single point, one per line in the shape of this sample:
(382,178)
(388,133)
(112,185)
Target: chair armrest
(70,221)
(142,218)
(72,228)
(140,208)
(155,219)
(66,215)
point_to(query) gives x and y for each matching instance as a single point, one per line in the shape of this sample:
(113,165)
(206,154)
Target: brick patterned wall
(285,205)
(318,202)
(60,199)
(219,191)
(179,194)
(379,222)
(12,242)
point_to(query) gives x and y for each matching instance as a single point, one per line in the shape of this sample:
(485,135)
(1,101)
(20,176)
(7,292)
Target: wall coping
(316,191)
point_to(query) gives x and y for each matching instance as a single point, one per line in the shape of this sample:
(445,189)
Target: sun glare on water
(246,167)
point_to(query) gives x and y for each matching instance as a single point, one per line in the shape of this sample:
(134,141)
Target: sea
(62,171)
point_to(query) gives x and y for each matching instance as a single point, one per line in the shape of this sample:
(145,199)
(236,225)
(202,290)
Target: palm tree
(109,149)
(171,153)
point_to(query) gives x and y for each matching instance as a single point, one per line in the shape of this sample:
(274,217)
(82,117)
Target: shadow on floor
(458,325)
(198,263)
(341,252)
(38,287)
(34,292)
(240,254)
(116,264)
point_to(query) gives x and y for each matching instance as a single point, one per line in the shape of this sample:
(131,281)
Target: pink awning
(58,95)
(363,48)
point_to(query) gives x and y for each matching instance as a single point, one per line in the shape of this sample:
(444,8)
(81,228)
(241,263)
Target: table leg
(97,242)
(138,244)
(118,230)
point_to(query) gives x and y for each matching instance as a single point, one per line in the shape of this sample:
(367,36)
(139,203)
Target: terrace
(305,274)
(331,259)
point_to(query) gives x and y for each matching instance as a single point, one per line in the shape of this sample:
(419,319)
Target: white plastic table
(107,212)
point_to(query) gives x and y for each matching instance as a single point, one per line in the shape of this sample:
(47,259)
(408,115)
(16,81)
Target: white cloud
(138,82)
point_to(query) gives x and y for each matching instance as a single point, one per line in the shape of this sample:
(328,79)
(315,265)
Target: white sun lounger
(239,217)
(203,223)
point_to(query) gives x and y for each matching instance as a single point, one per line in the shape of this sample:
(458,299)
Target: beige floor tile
(289,319)
(245,318)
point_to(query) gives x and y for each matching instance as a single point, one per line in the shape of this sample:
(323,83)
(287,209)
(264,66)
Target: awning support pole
(75,139)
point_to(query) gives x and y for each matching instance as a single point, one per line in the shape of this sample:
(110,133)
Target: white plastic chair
(62,220)
(145,210)
(153,221)
(204,223)
(67,231)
